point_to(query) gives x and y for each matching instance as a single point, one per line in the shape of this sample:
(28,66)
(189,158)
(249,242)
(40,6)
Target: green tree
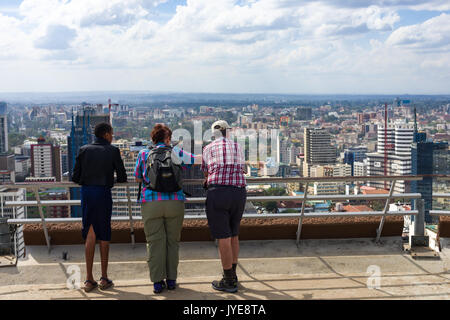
(16,139)
(275,191)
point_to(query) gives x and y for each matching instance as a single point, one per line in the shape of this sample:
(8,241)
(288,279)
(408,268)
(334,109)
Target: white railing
(441,196)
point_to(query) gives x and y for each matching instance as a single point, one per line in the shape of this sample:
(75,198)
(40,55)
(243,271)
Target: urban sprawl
(39,144)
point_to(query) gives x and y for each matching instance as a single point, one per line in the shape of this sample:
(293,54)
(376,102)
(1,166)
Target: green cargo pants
(163,221)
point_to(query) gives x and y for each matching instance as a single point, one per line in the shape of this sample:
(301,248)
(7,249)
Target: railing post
(130,214)
(69,207)
(386,208)
(419,219)
(300,221)
(44,226)
(417,237)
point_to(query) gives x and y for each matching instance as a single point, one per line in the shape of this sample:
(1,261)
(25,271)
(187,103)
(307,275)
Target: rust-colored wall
(444,227)
(251,229)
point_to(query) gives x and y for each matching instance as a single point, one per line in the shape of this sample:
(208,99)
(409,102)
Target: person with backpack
(159,169)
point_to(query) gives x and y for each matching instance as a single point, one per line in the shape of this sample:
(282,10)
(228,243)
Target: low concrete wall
(251,229)
(444,227)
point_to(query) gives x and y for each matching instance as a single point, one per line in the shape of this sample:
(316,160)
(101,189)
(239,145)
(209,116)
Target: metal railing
(440,212)
(306,182)
(441,196)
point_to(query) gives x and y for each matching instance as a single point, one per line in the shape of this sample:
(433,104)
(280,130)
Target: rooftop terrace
(318,269)
(306,255)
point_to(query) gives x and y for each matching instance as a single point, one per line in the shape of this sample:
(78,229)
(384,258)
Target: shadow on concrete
(249,249)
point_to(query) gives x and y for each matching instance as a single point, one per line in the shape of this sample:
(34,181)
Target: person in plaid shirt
(224,167)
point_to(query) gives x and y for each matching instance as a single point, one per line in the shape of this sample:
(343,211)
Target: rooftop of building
(375,191)
(275,269)
(356,208)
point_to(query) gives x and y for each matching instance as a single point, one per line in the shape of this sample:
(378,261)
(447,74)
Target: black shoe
(224,285)
(228,283)
(171,284)
(158,287)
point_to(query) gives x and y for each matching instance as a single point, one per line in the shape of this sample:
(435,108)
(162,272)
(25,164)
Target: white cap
(222,125)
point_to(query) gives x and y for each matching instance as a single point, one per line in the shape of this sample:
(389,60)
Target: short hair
(224,131)
(160,133)
(101,129)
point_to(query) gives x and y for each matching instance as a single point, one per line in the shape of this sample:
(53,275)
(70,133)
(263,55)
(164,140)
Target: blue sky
(257,46)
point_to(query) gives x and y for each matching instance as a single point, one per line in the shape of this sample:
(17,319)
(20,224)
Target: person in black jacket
(94,171)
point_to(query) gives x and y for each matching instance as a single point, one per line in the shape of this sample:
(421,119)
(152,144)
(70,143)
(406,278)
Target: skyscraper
(398,144)
(45,160)
(82,132)
(318,148)
(3,128)
(428,157)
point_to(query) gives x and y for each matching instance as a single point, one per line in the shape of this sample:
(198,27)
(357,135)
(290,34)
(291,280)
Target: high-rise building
(82,133)
(282,152)
(292,152)
(45,160)
(129,153)
(7,162)
(428,157)
(64,162)
(3,128)
(318,148)
(399,137)
(22,167)
(360,168)
(355,154)
(304,113)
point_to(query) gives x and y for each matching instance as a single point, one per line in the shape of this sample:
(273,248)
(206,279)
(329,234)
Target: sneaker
(158,287)
(229,286)
(171,284)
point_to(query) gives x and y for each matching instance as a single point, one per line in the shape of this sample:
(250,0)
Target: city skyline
(246,46)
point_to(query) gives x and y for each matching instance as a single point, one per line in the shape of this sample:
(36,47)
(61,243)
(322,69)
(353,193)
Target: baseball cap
(222,124)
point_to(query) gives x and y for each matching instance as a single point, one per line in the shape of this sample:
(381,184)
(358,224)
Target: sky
(226,46)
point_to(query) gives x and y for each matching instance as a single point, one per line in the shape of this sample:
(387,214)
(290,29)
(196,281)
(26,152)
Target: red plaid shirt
(224,162)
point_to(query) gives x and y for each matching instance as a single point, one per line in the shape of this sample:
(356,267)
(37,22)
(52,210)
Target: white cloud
(429,35)
(247,39)
(57,37)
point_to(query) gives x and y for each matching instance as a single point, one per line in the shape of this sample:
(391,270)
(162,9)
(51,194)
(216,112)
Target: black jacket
(96,163)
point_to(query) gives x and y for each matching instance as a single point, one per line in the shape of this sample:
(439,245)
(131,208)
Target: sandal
(91,287)
(108,284)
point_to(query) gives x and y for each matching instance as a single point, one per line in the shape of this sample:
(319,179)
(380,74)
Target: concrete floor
(318,269)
